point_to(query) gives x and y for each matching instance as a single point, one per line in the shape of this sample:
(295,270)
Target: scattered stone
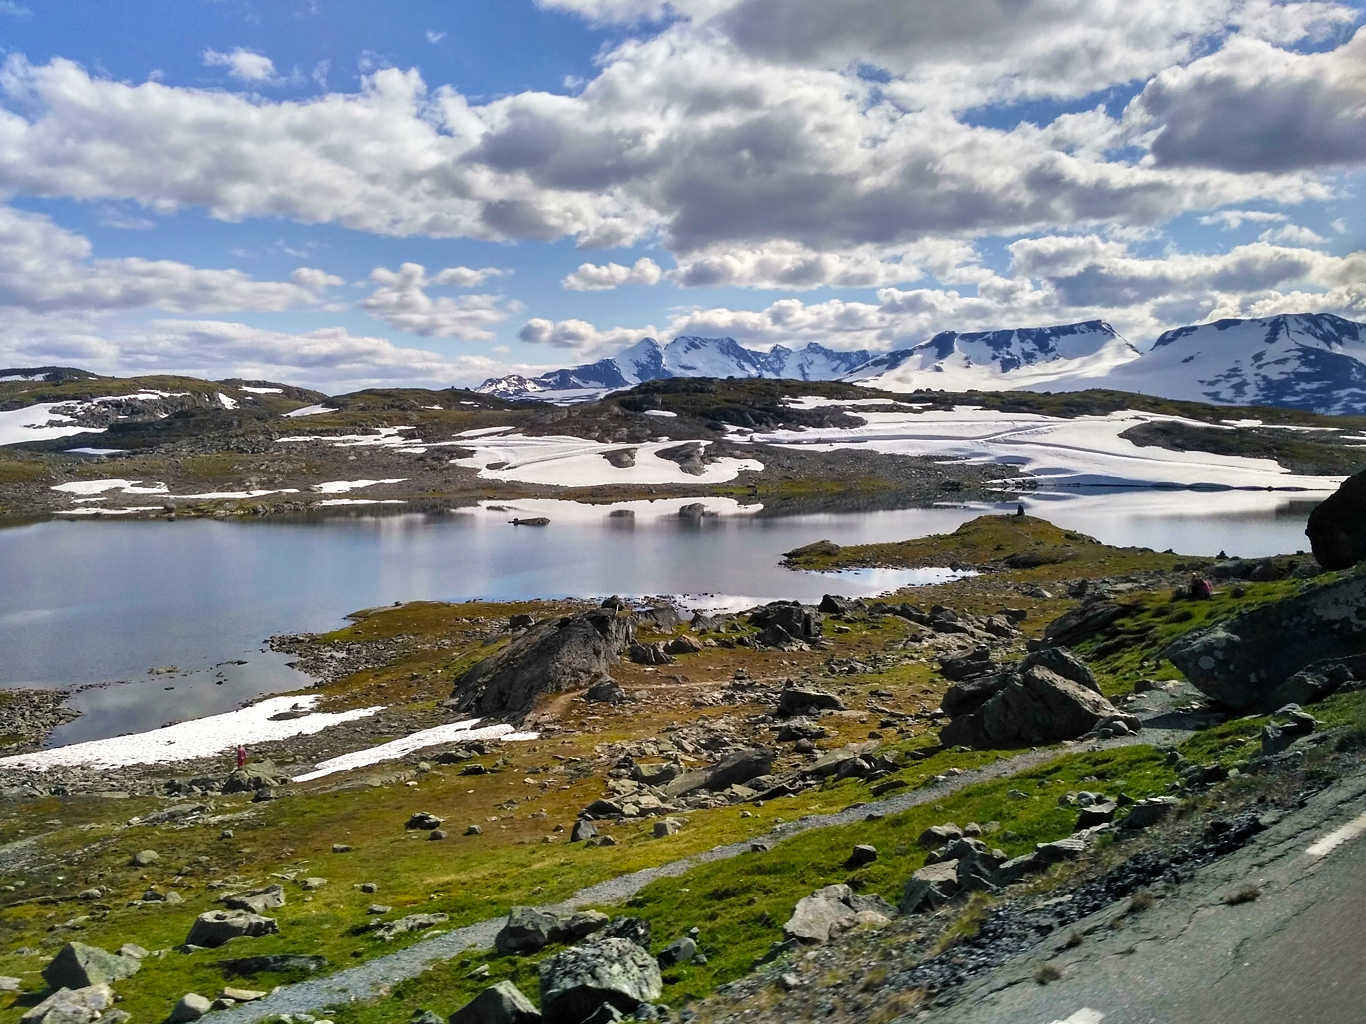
(437,833)
(313,883)
(939,835)
(378,909)
(862,855)
(502,1003)
(683,645)
(680,951)
(821,916)
(192,1006)
(423,820)
(144,858)
(797,700)
(930,887)
(210,930)
(633,929)
(575,982)
(242,995)
(255,776)
(341,848)
(72,1006)
(474,830)
(276,963)
(583,829)
(78,966)
(1036,706)
(390,930)
(1097,814)
(369,887)
(257,901)
(606,691)
(1149,812)
(667,827)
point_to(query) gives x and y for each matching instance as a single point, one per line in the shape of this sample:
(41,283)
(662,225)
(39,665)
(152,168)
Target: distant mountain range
(1305,360)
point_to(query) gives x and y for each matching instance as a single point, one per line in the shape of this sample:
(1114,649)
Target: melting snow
(309,410)
(455,732)
(202,737)
(359,501)
(560,510)
(228,402)
(39,423)
(342,486)
(576,462)
(261,391)
(102,486)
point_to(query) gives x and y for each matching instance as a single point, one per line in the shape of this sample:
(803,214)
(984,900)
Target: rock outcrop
(1050,696)
(216,927)
(1244,662)
(529,930)
(502,1003)
(1337,527)
(550,657)
(579,980)
(78,966)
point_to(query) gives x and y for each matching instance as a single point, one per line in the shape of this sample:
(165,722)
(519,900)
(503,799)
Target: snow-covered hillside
(1030,357)
(683,357)
(1304,361)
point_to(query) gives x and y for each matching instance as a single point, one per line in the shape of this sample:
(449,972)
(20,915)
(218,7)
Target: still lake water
(97,602)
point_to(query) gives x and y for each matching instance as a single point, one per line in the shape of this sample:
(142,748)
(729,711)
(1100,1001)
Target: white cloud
(435,37)
(465,277)
(14,10)
(315,280)
(1051,280)
(1251,107)
(45,268)
(793,267)
(1231,220)
(1292,234)
(244,65)
(595,278)
(402,302)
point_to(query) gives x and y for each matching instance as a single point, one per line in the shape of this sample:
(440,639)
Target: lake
(99,602)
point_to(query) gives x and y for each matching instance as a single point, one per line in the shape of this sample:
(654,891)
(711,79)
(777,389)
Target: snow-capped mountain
(683,357)
(1028,358)
(1299,360)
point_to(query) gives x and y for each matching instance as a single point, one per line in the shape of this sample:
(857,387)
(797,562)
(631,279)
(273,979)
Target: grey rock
(1337,527)
(1097,814)
(423,820)
(967,695)
(633,929)
(736,769)
(939,835)
(798,621)
(1146,813)
(680,951)
(1082,621)
(425,1017)
(575,982)
(1066,664)
(650,654)
(583,829)
(502,1003)
(1038,706)
(861,855)
(144,858)
(551,657)
(1243,662)
(258,775)
(797,700)
(257,901)
(71,1006)
(930,887)
(192,1006)
(606,691)
(276,963)
(820,917)
(78,966)
(527,930)
(390,930)
(210,930)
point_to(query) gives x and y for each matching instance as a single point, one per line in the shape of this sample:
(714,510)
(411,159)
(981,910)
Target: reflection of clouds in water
(847,582)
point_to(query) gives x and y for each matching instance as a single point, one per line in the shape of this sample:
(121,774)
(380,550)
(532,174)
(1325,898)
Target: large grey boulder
(821,916)
(1066,664)
(216,927)
(558,655)
(930,887)
(502,1003)
(1244,662)
(191,1007)
(256,776)
(1084,620)
(529,930)
(575,982)
(799,700)
(71,1006)
(735,770)
(78,966)
(797,620)
(1035,706)
(1149,812)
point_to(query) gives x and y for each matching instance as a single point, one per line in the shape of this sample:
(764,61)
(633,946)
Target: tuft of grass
(1139,902)
(1246,894)
(1046,973)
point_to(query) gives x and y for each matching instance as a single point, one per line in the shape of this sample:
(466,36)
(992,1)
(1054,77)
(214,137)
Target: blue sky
(236,188)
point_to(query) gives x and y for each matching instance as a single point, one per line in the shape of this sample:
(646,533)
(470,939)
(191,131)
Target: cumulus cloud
(793,267)
(1252,107)
(594,278)
(1050,280)
(45,268)
(402,302)
(244,65)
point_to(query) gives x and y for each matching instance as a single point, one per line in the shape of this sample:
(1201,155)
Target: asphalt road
(1296,953)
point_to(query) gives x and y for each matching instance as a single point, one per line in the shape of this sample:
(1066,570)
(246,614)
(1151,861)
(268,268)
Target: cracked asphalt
(1205,951)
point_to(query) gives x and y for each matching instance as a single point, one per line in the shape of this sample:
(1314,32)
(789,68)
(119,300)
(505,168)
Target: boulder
(1036,706)
(423,820)
(144,859)
(967,695)
(683,645)
(632,929)
(1089,617)
(606,691)
(680,951)
(736,769)
(390,930)
(1321,679)
(583,829)
(1337,527)
(216,927)
(1244,661)
(71,1006)
(256,776)
(1146,813)
(833,604)
(520,621)
(554,656)
(798,700)
(861,854)
(192,1006)
(575,982)
(1097,814)
(78,966)
(939,835)
(797,620)
(526,930)
(650,654)
(930,887)
(1066,664)
(820,916)
(502,1003)
(257,901)
(978,663)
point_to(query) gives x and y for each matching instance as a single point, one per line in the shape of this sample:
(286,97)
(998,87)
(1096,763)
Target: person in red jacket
(241,756)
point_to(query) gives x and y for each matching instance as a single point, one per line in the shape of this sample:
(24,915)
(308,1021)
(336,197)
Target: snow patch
(202,737)
(260,391)
(40,423)
(641,510)
(359,501)
(455,732)
(576,462)
(227,402)
(310,410)
(103,486)
(342,486)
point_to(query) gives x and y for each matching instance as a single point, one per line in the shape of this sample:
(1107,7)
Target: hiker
(1201,589)
(241,756)
(1019,510)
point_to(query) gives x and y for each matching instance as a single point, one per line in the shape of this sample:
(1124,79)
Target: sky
(354,194)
